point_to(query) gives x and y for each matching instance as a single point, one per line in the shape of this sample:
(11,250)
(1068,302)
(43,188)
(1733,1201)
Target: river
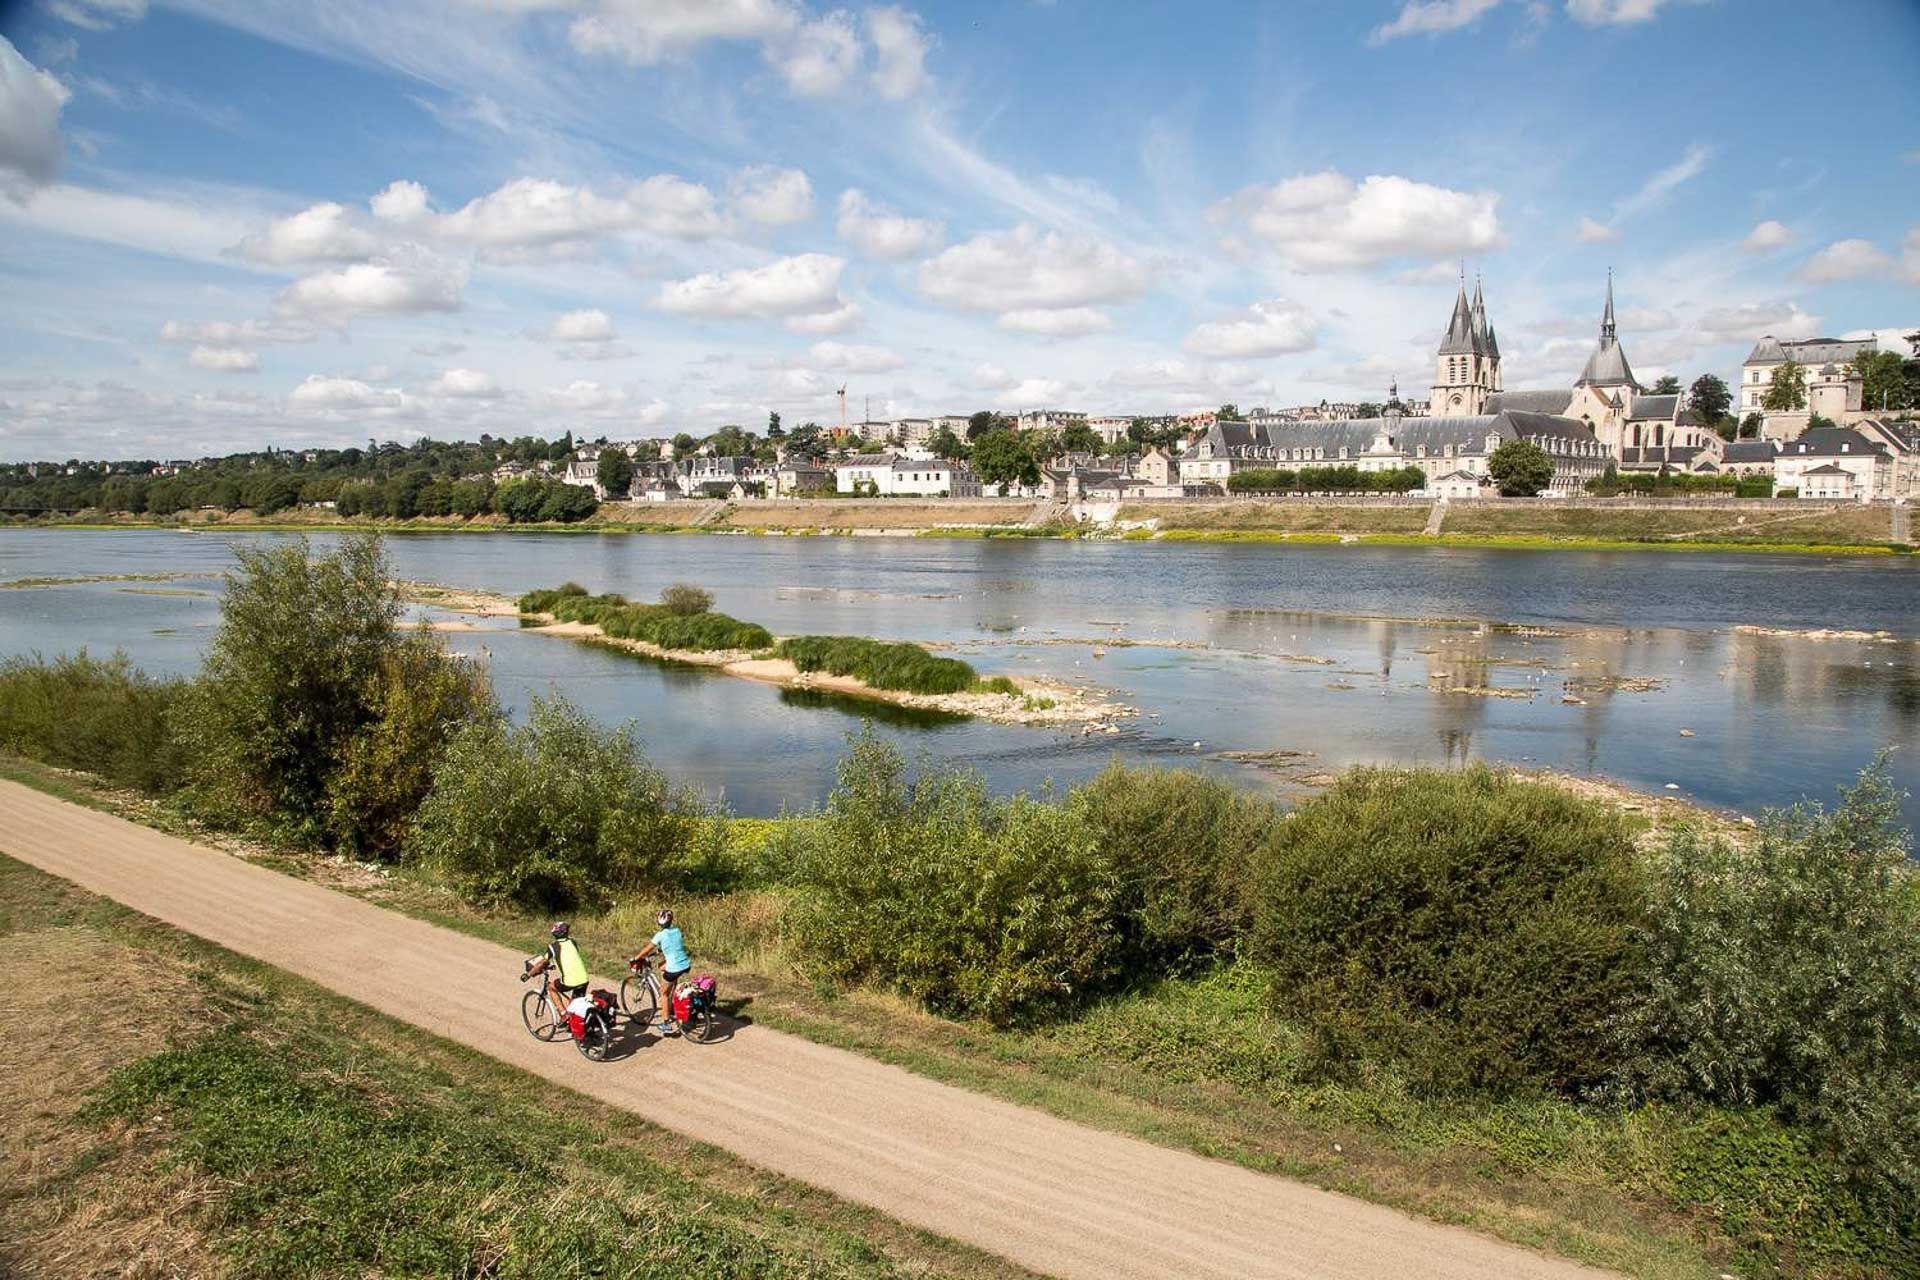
(1648,668)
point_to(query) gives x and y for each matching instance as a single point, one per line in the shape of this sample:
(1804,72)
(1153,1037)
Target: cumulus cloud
(818,58)
(840,320)
(224,359)
(466,384)
(592,399)
(1057,322)
(1767,236)
(650,31)
(900,51)
(1754,319)
(229,333)
(324,233)
(1325,221)
(1845,260)
(1026,269)
(30,103)
(402,201)
(1033,393)
(589,325)
(1431,17)
(538,211)
(805,285)
(841,357)
(98,15)
(773,196)
(1910,256)
(879,232)
(320,392)
(407,281)
(1273,328)
(1591,232)
(1603,13)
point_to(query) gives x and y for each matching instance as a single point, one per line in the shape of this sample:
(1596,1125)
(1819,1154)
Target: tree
(1229,412)
(1816,421)
(1751,425)
(1002,457)
(1786,390)
(1367,409)
(684,445)
(774,430)
(683,599)
(1521,469)
(947,445)
(1668,385)
(1080,438)
(1883,380)
(986,420)
(615,473)
(1709,398)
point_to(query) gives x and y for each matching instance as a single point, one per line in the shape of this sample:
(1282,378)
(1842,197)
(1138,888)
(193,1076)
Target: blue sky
(230,223)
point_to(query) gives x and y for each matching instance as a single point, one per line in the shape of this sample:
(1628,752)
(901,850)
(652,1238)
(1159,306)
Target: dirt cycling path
(1047,1193)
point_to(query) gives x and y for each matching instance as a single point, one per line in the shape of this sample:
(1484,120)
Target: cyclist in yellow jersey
(566,967)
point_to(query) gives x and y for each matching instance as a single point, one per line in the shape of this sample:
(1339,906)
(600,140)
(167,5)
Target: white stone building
(888,475)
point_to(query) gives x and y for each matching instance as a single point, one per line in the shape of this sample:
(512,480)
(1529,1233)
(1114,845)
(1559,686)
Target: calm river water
(1343,654)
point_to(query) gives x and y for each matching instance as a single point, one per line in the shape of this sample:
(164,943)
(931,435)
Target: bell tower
(1467,366)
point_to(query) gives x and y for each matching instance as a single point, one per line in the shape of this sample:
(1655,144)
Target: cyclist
(671,946)
(566,967)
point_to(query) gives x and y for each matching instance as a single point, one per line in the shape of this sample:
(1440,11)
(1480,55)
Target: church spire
(1461,330)
(1608,334)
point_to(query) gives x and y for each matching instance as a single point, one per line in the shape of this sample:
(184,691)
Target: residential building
(1049,420)
(1111,430)
(1882,457)
(797,478)
(888,475)
(1157,467)
(916,432)
(1832,392)
(1749,457)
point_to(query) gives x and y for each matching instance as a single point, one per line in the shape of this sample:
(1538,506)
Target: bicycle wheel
(535,1012)
(640,997)
(593,1043)
(702,1027)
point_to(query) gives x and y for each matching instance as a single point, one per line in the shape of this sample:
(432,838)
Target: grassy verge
(1203,1064)
(239,1121)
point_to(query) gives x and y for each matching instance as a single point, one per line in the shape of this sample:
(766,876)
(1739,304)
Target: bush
(1478,930)
(971,905)
(558,814)
(1786,972)
(906,667)
(683,598)
(656,624)
(421,700)
(1187,847)
(102,717)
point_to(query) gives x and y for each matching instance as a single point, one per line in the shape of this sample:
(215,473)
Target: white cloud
(1591,232)
(1751,320)
(1602,13)
(323,393)
(649,31)
(466,384)
(590,399)
(1430,17)
(805,285)
(30,103)
(227,333)
(1910,256)
(402,201)
(900,51)
(879,232)
(773,196)
(1026,269)
(1768,235)
(1845,260)
(991,377)
(98,15)
(1033,393)
(819,57)
(1646,319)
(1327,221)
(841,357)
(1432,274)
(1689,166)
(589,325)
(408,280)
(839,320)
(323,233)
(530,211)
(1057,322)
(1271,328)
(224,359)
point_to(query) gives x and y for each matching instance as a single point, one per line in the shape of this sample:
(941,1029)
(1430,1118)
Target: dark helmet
(665,917)
(559,929)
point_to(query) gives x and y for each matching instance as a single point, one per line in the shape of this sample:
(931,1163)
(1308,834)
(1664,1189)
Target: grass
(703,632)
(1203,1063)
(881,665)
(240,1121)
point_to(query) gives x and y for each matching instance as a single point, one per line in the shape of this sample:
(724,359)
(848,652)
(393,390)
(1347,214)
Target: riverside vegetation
(1671,1053)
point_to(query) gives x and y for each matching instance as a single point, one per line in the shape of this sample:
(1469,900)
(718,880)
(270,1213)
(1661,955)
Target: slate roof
(1464,337)
(1607,366)
(1809,351)
(1827,469)
(1530,426)
(1555,402)
(1750,451)
(1830,442)
(1659,457)
(1652,408)
(1767,351)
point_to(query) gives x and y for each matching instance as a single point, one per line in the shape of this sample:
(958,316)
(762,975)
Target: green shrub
(423,697)
(1476,929)
(558,814)
(881,665)
(106,718)
(972,905)
(657,624)
(996,684)
(684,598)
(1188,847)
(1786,972)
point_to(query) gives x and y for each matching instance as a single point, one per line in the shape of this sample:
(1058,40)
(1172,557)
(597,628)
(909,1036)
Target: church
(1638,430)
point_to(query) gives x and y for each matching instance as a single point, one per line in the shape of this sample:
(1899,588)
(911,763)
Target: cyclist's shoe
(669,1028)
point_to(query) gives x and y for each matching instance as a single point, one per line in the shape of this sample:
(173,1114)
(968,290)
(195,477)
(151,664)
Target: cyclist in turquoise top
(671,946)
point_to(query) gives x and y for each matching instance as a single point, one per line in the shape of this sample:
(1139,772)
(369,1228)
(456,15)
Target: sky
(228,224)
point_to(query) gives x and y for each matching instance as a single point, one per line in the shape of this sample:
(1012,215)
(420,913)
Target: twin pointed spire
(1468,332)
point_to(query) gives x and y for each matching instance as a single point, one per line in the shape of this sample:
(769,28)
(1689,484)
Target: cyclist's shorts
(673,979)
(573,993)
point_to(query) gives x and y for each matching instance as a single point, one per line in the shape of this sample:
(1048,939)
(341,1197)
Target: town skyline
(623,221)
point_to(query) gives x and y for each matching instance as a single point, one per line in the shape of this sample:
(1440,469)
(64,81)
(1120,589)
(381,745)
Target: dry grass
(1281,516)
(881,513)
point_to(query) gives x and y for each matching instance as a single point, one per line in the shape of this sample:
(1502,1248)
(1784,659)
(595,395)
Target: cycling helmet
(665,917)
(559,929)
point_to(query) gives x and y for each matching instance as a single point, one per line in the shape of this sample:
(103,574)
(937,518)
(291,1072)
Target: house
(1749,457)
(1157,467)
(888,475)
(798,478)
(916,432)
(1049,420)
(1831,482)
(655,490)
(1832,391)
(1882,457)
(585,474)
(713,476)
(1455,485)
